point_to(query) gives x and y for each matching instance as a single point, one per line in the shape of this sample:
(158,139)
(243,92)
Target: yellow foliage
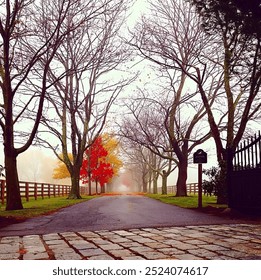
(112,146)
(61,171)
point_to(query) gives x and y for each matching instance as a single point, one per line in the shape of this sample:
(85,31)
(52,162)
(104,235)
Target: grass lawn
(191,201)
(34,208)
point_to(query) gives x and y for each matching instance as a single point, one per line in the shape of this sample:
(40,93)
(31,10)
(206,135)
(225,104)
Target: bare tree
(134,155)
(158,166)
(172,31)
(30,31)
(80,102)
(238,34)
(225,48)
(150,165)
(158,123)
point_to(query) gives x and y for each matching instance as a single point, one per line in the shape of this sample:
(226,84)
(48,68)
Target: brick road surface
(208,242)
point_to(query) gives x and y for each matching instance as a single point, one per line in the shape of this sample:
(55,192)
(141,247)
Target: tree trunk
(13,201)
(155,183)
(96,187)
(224,182)
(90,186)
(155,186)
(230,156)
(75,189)
(103,189)
(182,178)
(164,182)
(150,181)
(144,184)
(222,185)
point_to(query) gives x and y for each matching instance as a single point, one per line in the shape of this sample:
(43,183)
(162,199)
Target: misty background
(37,165)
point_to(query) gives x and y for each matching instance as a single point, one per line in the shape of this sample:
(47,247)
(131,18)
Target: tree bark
(75,189)
(182,178)
(144,184)
(164,182)
(150,181)
(90,185)
(13,201)
(230,156)
(226,166)
(155,182)
(222,188)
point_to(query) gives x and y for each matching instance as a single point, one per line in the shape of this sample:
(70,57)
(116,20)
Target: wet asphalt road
(114,213)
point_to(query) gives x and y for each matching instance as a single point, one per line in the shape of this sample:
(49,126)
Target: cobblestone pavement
(218,242)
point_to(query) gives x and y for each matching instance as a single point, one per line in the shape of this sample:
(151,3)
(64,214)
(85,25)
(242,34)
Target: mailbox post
(200,157)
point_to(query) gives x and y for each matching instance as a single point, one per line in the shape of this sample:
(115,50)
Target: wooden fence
(191,188)
(33,190)
(30,190)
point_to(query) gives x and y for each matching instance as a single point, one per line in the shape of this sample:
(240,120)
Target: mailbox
(200,156)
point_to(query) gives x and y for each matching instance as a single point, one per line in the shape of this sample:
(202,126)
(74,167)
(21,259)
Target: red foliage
(94,166)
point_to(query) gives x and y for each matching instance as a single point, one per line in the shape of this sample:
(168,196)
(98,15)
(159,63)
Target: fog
(37,165)
(124,183)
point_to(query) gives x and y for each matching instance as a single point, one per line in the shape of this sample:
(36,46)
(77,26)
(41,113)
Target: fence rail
(191,188)
(34,190)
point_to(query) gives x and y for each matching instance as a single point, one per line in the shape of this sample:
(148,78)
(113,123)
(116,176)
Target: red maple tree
(94,167)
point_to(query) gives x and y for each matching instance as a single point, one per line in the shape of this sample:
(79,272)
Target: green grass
(34,208)
(190,201)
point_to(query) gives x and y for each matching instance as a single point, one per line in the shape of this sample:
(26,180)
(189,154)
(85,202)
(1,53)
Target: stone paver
(219,242)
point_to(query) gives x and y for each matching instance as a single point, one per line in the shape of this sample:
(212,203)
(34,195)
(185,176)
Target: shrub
(216,181)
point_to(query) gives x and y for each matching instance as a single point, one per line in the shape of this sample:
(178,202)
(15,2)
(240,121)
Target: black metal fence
(246,176)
